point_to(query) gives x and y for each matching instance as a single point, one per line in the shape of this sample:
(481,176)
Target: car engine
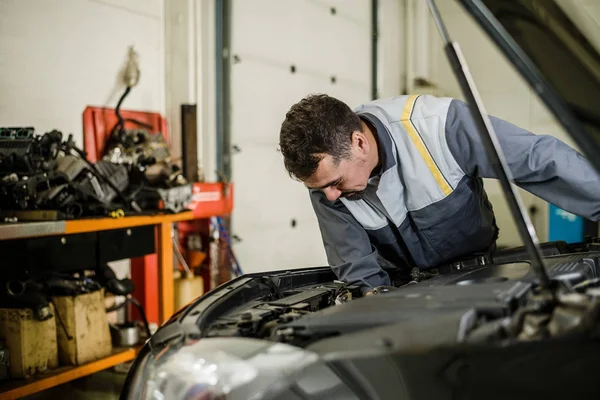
(262,318)
(271,308)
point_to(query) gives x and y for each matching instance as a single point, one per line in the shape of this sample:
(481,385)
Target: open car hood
(554,45)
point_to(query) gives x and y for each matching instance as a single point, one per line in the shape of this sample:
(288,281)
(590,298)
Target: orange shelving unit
(152,274)
(22,388)
(103,224)
(163,297)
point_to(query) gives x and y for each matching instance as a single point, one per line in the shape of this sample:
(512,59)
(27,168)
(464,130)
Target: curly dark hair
(318,124)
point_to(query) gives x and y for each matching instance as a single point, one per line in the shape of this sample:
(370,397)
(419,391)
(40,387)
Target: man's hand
(380,290)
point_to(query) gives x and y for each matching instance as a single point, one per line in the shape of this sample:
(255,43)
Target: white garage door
(282,51)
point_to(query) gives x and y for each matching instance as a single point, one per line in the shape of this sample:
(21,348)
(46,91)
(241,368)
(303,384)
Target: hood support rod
(492,146)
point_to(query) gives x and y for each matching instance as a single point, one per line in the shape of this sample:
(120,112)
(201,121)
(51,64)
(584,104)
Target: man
(399,180)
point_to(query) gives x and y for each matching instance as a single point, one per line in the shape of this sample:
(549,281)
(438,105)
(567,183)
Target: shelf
(104,224)
(22,230)
(18,389)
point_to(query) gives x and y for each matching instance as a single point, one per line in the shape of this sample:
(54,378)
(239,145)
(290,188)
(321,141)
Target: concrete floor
(104,385)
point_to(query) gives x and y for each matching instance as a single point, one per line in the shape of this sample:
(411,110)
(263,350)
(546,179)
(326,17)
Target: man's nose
(332,193)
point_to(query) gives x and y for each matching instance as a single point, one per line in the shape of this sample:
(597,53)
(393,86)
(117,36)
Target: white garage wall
(505,94)
(272,214)
(58,56)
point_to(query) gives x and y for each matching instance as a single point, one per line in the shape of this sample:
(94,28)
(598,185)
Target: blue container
(563,225)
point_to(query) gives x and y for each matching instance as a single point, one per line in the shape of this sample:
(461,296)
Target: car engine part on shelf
(43,172)
(145,153)
(126,334)
(132,300)
(26,294)
(64,284)
(72,188)
(47,173)
(22,152)
(173,199)
(119,287)
(154,177)
(34,291)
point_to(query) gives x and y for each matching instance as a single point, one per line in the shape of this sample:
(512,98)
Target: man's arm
(349,251)
(542,165)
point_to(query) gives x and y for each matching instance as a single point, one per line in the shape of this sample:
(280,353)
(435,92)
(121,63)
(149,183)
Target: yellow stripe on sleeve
(420,145)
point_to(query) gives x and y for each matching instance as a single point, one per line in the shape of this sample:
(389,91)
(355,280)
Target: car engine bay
(487,301)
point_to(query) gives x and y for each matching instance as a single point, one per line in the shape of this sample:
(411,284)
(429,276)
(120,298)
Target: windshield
(562,39)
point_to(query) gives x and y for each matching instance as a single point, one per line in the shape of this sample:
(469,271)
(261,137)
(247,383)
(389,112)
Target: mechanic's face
(349,177)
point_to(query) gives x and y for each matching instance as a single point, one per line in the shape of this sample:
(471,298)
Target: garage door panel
(276,249)
(348,58)
(254,32)
(330,54)
(258,112)
(358,11)
(264,190)
(337,51)
(289,33)
(351,94)
(263,93)
(252,227)
(307,36)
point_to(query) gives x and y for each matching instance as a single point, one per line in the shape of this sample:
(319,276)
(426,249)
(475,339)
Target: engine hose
(120,127)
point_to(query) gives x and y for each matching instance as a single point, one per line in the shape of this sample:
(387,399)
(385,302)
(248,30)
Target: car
(521,324)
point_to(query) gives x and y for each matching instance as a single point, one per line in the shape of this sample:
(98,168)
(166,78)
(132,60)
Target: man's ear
(360,142)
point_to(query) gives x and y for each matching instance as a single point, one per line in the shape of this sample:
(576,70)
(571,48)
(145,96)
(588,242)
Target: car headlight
(187,375)
(232,368)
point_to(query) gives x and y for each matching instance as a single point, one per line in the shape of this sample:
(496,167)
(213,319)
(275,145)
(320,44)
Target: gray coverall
(427,206)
